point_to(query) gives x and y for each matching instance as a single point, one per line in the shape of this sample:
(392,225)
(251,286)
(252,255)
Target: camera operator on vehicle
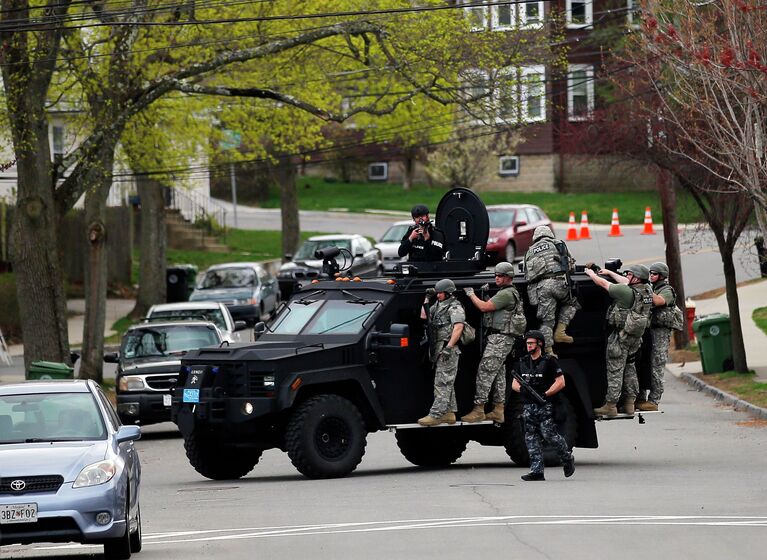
(423,241)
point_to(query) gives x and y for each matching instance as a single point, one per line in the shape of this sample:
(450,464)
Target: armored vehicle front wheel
(431,447)
(326,437)
(567,424)
(219,462)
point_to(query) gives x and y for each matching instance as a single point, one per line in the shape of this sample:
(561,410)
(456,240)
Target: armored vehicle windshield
(317,316)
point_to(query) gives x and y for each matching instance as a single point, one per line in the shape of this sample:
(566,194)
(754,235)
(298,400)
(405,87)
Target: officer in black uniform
(543,374)
(423,241)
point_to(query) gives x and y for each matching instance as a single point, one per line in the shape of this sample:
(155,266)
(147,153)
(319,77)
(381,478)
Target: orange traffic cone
(572,233)
(648,230)
(585,233)
(615,225)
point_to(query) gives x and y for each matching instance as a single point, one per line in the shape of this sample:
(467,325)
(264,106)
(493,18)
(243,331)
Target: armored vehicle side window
(295,317)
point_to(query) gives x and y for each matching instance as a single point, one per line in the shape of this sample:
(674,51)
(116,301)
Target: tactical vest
(636,319)
(548,257)
(509,320)
(533,374)
(668,316)
(440,326)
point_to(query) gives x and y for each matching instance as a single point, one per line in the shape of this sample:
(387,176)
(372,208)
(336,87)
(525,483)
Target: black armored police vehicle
(345,357)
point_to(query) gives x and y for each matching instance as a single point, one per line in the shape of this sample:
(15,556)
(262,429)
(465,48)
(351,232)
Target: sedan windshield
(228,278)
(306,251)
(395,233)
(50,417)
(212,315)
(501,218)
(324,317)
(166,340)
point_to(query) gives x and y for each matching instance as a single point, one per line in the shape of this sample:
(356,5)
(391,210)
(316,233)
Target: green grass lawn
(760,318)
(317,194)
(740,384)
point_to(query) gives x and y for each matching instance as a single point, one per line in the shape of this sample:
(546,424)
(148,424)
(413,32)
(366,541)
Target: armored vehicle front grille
(46,483)
(161,382)
(261,384)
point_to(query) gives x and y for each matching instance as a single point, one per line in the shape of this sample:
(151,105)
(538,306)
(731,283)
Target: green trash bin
(50,370)
(714,334)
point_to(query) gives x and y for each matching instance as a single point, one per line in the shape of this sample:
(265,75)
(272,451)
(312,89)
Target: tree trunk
(34,247)
(408,165)
(731,288)
(673,254)
(153,245)
(285,176)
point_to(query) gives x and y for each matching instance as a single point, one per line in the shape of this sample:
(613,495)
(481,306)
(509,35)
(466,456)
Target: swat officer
(423,241)
(446,321)
(629,316)
(547,265)
(503,320)
(665,317)
(543,374)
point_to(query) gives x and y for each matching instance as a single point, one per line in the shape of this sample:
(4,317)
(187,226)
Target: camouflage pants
(621,372)
(539,429)
(446,368)
(548,294)
(661,339)
(492,369)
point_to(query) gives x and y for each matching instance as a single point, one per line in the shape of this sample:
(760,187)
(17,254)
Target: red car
(511,230)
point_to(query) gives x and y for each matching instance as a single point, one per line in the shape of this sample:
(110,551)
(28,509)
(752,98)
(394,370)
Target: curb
(726,398)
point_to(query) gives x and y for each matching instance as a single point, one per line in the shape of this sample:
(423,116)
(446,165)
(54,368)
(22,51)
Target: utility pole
(233,181)
(232,141)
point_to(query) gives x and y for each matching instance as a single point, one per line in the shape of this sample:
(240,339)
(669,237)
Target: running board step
(639,415)
(395,427)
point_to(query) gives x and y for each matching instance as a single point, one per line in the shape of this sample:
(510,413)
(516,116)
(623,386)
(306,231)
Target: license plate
(167,400)
(18,513)
(192,395)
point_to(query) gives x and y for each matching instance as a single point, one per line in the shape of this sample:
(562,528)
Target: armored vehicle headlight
(247,409)
(132,383)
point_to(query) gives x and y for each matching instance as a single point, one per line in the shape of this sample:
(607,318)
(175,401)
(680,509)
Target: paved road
(689,483)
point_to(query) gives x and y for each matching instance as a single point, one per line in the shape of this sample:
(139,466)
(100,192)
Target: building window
(508,166)
(579,13)
(580,92)
(57,133)
(504,16)
(378,171)
(477,15)
(533,89)
(531,14)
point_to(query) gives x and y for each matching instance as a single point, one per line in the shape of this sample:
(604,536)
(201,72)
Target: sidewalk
(116,309)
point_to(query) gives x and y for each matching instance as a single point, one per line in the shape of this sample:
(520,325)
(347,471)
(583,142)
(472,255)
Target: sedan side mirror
(112,357)
(259,329)
(520,224)
(288,257)
(240,325)
(128,433)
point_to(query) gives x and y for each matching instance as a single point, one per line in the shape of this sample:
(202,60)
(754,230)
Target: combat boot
(569,466)
(628,406)
(448,417)
(607,409)
(477,414)
(430,420)
(497,414)
(561,336)
(529,477)
(647,406)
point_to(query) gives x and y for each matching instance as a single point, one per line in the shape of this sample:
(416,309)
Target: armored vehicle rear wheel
(431,447)
(567,423)
(219,462)
(326,437)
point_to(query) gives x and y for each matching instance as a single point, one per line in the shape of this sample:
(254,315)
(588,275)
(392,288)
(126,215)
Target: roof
(184,305)
(510,206)
(37,387)
(344,236)
(235,265)
(172,324)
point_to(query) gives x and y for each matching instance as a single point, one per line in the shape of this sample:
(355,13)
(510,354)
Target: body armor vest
(636,319)
(548,257)
(440,326)
(509,320)
(668,316)
(533,373)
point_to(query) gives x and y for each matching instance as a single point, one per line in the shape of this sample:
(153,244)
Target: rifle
(483,292)
(526,386)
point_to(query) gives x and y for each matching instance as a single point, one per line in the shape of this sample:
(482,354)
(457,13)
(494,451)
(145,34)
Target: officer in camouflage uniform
(629,316)
(503,319)
(543,374)
(446,321)
(666,316)
(547,264)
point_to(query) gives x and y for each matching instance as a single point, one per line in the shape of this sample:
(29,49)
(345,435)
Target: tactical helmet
(542,231)
(445,285)
(537,335)
(419,210)
(505,268)
(661,268)
(639,270)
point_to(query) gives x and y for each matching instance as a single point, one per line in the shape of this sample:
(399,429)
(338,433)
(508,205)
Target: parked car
(511,230)
(211,311)
(358,256)
(148,365)
(68,468)
(248,290)
(389,244)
